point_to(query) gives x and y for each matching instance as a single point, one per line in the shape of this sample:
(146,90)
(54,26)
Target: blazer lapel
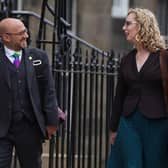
(29,67)
(147,64)
(4,72)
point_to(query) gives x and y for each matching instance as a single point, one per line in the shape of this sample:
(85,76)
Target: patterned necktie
(16,59)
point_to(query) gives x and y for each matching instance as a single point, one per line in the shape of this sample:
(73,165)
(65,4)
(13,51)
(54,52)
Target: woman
(139,123)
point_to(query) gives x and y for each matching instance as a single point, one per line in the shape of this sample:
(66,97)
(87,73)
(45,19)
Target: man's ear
(5,37)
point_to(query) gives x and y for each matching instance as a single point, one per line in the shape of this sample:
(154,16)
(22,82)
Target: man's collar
(10,52)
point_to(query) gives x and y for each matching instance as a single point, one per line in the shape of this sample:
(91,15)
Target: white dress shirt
(9,53)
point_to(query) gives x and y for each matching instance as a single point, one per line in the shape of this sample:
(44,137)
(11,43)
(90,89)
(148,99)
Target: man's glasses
(128,23)
(18,33)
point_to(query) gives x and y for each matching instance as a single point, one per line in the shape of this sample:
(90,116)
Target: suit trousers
(140,143)
(27,139)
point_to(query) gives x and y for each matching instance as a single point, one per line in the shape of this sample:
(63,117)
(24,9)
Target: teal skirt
(140,143)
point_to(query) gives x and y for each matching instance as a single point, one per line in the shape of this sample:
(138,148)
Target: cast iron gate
(85,93)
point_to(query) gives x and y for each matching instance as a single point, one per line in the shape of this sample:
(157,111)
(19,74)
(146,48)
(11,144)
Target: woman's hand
(112,137)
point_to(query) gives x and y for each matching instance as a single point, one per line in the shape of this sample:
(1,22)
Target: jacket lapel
(29,67)
(4,72)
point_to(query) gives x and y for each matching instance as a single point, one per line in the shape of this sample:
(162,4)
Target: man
(28,106)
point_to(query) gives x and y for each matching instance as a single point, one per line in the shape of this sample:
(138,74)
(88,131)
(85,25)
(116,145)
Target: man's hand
(51,130)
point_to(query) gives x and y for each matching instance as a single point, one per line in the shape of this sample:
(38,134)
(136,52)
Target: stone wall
(95,24)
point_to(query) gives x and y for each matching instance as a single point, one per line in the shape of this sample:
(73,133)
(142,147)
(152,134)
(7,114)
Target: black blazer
(41,90)
(142,90)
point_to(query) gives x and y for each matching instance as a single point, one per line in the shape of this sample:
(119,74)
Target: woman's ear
(139,27)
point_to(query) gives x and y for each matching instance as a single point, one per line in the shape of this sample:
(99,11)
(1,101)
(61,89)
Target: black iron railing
(85,92)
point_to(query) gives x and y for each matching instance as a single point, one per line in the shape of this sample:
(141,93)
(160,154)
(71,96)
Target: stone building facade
(92,20)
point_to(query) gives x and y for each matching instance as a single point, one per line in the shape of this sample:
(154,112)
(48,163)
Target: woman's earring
(137,38)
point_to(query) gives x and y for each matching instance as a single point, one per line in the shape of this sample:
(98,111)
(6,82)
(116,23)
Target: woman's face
(131,28)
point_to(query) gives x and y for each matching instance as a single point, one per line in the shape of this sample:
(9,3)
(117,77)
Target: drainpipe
(20,5)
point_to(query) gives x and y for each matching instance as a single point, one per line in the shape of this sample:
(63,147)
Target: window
(119,8)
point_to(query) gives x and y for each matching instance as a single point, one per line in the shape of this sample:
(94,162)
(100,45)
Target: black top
(142,90)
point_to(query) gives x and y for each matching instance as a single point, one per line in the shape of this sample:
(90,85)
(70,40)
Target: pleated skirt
(140,143)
